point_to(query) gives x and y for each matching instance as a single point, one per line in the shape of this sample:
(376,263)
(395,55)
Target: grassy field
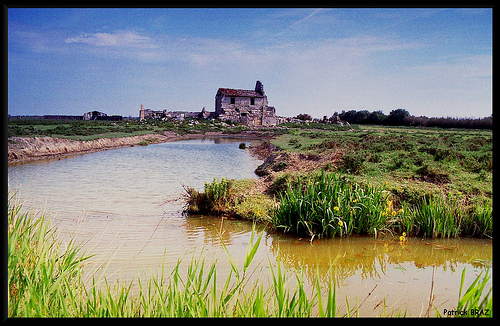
(418,159)
(88,130)
(439,181)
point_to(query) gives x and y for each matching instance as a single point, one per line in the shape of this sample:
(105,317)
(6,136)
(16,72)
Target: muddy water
(124,206)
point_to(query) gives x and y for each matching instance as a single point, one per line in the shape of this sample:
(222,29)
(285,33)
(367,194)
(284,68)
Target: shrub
(219,195)
(352,162)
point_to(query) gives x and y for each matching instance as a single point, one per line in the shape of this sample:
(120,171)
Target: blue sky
(432,62)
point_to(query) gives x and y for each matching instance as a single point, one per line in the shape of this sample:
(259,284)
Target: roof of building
(238,92)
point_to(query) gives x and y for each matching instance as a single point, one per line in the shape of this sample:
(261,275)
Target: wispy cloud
(116,39)
(300,22)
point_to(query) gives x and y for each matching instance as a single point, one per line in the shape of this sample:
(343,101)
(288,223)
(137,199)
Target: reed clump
(217,198)
(228,197)
(43,278)
(327,205)
(324,204)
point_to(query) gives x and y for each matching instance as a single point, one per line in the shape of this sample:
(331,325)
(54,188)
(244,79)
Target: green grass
(431,159)
(331,204)
(45,281)
(327,205)
(422,168)
(89,130)
(230,198)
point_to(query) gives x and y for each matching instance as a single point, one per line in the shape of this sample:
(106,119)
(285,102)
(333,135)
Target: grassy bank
(421,181)
(413,161)
(329,204)
(45,280)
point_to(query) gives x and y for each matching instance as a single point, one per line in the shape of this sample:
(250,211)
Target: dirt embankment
(277,161)
(26,149)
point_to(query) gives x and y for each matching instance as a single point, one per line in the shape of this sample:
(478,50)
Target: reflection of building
(245,106)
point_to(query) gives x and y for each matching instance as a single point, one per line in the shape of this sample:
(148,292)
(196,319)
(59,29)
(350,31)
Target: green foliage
(474,299)
(45,281)
(219,194)
(326,205)
(228,197)
(42,282)
(438,216)
(352,163)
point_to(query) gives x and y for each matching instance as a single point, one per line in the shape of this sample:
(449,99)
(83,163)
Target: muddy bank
(27,149)
(276,160)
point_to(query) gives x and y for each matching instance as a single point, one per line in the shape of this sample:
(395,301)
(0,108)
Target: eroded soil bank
(26,149)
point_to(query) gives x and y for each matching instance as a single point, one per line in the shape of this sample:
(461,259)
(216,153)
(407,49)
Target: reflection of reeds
(341,258)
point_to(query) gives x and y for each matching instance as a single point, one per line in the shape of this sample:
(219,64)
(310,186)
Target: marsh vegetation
(423,182)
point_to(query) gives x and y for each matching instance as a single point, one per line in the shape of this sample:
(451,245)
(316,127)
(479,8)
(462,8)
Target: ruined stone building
(238,105)
(169,115)
(245,106)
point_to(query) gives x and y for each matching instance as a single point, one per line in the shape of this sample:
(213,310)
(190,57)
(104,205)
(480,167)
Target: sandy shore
(27,149)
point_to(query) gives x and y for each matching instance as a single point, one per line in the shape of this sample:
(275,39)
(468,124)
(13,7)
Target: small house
(245,106)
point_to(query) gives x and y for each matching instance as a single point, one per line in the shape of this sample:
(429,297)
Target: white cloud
(116,39)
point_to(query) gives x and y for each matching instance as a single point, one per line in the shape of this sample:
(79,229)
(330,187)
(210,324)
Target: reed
(217,198)
(45,281)
(449,216)
(42,276)
(327,205)
(438,216)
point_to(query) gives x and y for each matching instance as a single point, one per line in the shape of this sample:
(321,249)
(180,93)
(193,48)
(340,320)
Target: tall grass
(42,280)
(216,199)
(449,216)
(438,216)
(326,205)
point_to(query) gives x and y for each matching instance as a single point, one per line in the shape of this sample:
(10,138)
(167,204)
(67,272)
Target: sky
(434,62)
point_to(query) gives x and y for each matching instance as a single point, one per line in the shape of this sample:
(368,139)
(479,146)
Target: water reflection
(370,257)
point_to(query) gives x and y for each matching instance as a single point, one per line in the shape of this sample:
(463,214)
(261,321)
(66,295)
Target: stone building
(245,106)
(170,115)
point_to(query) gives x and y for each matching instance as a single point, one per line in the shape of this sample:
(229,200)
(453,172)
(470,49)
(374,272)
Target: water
(125,207)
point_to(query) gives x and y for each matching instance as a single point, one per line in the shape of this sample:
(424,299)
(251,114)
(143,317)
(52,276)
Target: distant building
(245,106)
(96,115)
(164,114)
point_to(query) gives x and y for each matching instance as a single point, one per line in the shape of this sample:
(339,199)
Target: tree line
(401,117)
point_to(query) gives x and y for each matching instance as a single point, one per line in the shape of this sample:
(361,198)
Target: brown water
(125,207)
